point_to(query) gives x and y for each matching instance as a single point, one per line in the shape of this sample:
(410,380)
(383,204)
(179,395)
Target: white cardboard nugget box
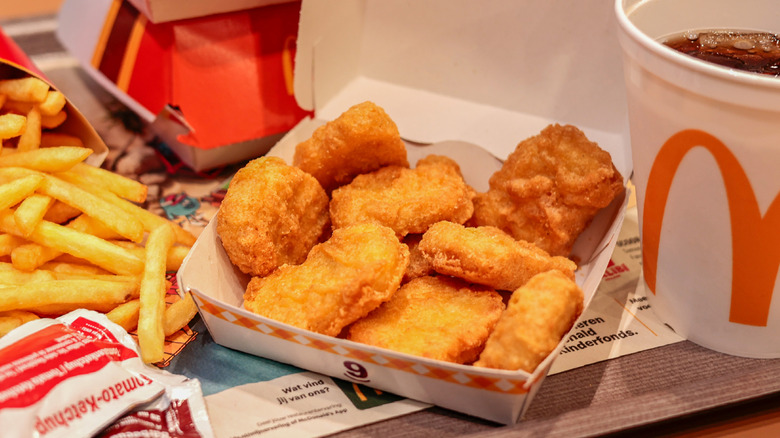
(451,74)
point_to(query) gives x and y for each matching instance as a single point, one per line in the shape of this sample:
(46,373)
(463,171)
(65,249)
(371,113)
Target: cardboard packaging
(452,74)
(14,63)
(217,89)
(162,11)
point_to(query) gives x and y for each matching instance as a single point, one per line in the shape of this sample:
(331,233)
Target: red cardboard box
(217,89)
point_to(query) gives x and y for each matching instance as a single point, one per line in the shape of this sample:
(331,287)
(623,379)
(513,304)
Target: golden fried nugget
(406,200)
(272,214)
(535,320)
(342,280)
(439,318)
(487,255)
(361,140)
(549,189)
(418,265)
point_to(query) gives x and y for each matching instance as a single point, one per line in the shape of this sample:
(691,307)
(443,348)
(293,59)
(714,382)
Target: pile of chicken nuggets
(350,241)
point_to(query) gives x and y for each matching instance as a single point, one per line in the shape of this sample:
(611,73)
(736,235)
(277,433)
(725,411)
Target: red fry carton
(217,89)
(14,63)
(459,79)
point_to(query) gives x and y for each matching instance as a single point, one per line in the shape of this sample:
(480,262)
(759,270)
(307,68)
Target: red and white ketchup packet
(78,374)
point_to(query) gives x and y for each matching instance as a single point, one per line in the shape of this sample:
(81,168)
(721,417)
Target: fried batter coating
(439,317)
(272,214)
(418,265)
(535,320)
(342,280)
(549,189)
(487,255)
(361,140)
(406,200)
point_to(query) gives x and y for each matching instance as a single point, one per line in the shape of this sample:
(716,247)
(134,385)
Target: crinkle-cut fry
(31,211)
(60,212)
(31,137)
(178,314)
(27,89)
(126,315)
(13,192)
(98,251)
(11,125)
(53,103)
(9,242)
(12,319)
(121,186)
(51,122)
(46,296)
(151,335)
(53,139)
(56,159)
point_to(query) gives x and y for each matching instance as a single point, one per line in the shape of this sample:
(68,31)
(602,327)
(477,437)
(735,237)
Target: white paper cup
(705,142)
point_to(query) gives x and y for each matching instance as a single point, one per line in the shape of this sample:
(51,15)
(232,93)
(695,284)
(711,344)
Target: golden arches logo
(755,240)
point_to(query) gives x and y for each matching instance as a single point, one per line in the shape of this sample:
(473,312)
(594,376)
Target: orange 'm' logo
(755,241)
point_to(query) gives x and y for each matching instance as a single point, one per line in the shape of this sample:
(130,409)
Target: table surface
(675,390)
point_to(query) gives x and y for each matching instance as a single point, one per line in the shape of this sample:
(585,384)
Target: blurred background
(17,9)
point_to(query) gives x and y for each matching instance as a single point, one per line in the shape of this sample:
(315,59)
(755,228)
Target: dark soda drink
(757,52)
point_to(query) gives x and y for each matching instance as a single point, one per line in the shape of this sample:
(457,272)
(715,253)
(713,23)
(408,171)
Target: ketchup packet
(76,375)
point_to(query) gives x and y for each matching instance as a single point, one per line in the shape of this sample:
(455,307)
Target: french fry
(151,335)
(176,257)
(28,89)
(126,315)
(121,186)
(58,159)
(11,193)
(178,314)
(45,296)
(86,246)
(53,139)
(18,107)
(31,211)
(61,212)
(14,318)
(51,122)
(16,277)
(9,242)
(31,137)
(149,220)
(53,103)
(12,125)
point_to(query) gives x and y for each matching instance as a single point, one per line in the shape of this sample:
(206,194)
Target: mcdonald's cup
(705,142)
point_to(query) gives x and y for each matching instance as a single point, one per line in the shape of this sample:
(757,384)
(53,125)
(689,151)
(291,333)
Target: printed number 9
(355,370)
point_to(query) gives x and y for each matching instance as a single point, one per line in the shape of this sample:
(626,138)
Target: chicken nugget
(534,322)
(342,280)
(549,189)
(487,255)
(439,318)
(418,264)
(361,140)
(272,214)
(406,200)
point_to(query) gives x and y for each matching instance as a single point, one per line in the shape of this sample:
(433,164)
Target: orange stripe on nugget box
(504,385)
